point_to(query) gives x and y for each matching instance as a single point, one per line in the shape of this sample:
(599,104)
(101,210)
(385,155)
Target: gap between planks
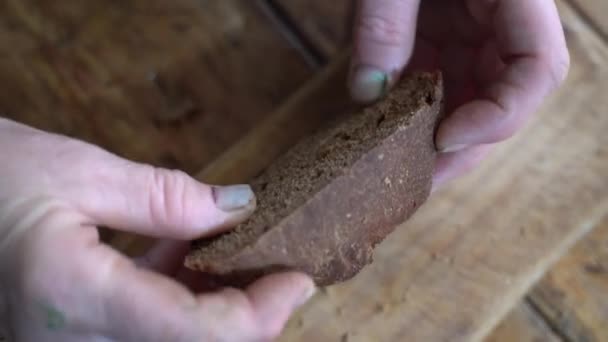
(549,323)
(291,31)
(590,22)
(594,29)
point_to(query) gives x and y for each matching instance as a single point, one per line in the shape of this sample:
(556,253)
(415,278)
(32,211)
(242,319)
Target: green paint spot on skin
(55,320)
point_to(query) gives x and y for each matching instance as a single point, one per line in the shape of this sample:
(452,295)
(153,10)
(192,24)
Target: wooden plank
(466,258)
(523,325)
(315,103)
(447,243)
(313,16)
(573,294)
(326,23)
(595,12)
(171,83)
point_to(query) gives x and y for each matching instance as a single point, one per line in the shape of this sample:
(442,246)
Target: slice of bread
(324,205)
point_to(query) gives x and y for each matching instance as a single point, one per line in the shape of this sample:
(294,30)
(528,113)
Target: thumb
(384,32)
(160,203)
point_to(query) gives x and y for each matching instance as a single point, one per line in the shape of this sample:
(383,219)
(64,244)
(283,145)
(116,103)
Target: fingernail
(310,291)
(454,148)
(234,197)
(368,84)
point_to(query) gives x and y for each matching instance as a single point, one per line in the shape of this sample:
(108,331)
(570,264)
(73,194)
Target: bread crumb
(344,337)
(387,181)
(379,308)
(313,165)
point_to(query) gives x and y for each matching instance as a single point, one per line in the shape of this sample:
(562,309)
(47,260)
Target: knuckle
(559,68)
(382,30)
(107,271)
(167,197)
(509,126)
(507,116)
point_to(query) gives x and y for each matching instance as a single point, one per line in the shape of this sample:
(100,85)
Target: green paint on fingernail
(382,79)
(376,79)
(369,84)
(55,320)
(233,198)
(385,85)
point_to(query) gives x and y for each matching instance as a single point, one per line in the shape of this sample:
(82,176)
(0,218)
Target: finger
(197,282)
(384,33)
(124,195)
(275,297)
(531,43)
(140,305)
(102,293)
(165,257)
(144,306)
(98,292)
(450,166)
(260,312)
(155,202)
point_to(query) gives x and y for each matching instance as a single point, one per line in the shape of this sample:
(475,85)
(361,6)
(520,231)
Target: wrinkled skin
(59,283)
(500,59)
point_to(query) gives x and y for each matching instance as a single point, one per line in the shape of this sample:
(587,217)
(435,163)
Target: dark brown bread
(324,205)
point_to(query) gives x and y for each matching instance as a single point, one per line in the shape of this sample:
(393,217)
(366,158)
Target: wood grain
(172,84)
(523,324)
(574,294)
(323,98)
(168,83)
(326,23)
(449,274)
(595,12)
(467,257)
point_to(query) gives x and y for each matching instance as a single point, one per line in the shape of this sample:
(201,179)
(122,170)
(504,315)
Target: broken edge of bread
(324,205)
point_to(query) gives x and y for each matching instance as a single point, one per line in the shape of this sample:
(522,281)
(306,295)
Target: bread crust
(332,235)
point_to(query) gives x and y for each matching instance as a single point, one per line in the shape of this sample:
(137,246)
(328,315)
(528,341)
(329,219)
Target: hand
(500,59)
(59,283)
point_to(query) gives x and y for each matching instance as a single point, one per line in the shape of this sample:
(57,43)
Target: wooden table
(202,86)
